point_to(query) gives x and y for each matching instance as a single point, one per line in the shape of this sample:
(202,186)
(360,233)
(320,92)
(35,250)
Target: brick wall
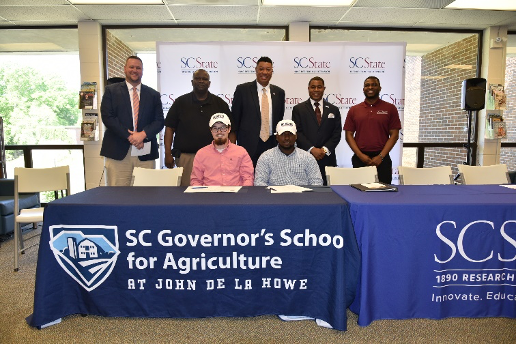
(117,53)
(412,99)
(411,111)
(441,117)
(508,155)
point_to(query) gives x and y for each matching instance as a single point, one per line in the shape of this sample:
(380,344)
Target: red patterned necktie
(136,107)
(318,112)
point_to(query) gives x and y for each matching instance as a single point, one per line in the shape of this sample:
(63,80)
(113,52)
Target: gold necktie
(264,130)
(136,107)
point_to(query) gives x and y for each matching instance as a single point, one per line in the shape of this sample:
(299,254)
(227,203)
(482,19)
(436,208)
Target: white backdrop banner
(343,65)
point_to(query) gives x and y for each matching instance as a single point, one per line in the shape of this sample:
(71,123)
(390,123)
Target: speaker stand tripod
(467,145)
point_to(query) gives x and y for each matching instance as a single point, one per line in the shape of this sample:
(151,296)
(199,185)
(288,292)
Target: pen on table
(199,187)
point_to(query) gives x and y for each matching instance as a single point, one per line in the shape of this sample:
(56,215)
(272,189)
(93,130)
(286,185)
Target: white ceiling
(420,14)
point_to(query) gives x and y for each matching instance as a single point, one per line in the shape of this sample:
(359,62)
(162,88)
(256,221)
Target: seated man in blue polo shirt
(287,164)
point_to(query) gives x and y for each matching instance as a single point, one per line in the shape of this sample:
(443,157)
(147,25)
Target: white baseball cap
(286,126)
(220,117)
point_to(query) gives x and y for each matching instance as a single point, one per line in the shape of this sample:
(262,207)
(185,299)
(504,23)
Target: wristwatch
(380,154)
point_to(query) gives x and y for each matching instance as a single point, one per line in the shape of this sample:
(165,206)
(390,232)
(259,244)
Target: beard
(286,145)
(375,95)
(221,141)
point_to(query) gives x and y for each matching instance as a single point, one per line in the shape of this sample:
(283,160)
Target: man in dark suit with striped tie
(132,114)
(318,125)
(257,108)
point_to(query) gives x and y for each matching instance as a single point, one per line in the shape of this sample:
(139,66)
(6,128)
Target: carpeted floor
(16,298)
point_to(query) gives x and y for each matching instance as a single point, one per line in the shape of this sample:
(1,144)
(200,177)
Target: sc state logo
(88,253)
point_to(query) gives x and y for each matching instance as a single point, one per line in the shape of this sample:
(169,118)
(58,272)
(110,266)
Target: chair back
(425,176)
(347,176)
(157,177)
(32,180)
(489,174)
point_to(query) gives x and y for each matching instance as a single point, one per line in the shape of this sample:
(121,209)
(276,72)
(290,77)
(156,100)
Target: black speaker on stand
(473,98)
(473,94)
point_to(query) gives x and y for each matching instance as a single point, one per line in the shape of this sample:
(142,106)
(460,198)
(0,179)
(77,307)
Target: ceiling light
(307,2)
(500,5)
(116,2)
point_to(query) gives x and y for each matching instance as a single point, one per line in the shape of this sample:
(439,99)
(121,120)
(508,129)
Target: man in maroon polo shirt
(372,128)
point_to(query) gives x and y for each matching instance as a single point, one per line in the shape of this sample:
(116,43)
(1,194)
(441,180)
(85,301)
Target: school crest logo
(88,253)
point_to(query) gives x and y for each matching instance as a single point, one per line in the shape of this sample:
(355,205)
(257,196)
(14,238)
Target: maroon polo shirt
(372,123)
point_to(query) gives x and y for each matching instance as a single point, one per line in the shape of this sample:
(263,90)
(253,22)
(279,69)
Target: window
(39,84)
(142,42)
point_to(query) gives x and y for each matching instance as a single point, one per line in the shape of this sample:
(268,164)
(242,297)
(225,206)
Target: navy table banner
(435,252)
(157,252)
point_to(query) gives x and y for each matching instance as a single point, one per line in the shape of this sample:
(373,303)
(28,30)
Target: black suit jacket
(247,116)
(117,116)
(309,133)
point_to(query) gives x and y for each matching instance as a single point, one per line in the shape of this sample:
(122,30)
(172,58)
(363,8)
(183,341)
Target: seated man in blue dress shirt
(287,164)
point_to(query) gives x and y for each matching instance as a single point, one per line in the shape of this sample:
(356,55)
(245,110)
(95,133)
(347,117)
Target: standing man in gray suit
(133,115)
(319,126)
(257,108)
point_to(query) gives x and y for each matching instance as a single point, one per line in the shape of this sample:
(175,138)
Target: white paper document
(510,186)
(55,322)
(288,189)
(213,189)
(319,322)
(373,185)
(144,151)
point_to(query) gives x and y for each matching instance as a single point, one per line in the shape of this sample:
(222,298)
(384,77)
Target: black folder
(375,187)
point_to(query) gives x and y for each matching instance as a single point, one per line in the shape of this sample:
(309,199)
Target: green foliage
(47,196)
(35,107)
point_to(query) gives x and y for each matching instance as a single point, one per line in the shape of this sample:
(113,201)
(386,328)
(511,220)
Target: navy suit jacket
(247,117)
(117,116)
(309,133)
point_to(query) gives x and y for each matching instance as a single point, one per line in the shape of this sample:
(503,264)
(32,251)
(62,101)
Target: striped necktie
(136,107)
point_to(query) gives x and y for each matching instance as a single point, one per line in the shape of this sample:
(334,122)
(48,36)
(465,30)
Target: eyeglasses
(219,129)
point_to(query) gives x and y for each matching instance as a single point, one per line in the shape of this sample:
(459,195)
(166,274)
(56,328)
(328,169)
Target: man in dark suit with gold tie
(257,108)
(318,125)
(132,114)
